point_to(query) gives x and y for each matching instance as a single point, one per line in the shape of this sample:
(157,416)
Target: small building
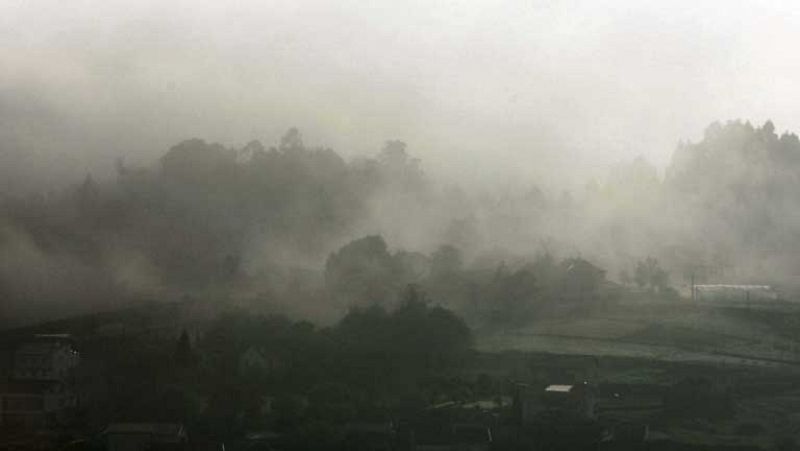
(578,398)
(40,390)
(30,405)
(145,437)
(567,419)
(45,358)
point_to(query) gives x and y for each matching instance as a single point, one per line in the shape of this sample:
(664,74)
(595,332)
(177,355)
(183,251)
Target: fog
(517,114)
(511,89)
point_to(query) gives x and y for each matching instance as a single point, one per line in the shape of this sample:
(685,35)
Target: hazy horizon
(399,225)
(558,127)
(480,91)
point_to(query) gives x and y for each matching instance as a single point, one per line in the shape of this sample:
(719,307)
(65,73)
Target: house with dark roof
(50,357)
(39,390)
(577,398)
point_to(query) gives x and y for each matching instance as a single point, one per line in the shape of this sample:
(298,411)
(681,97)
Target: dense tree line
(491,293)
(740,185)
(278,224)
(204,217)
(249,372)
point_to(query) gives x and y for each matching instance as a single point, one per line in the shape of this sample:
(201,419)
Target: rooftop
(724,286)
(559,388)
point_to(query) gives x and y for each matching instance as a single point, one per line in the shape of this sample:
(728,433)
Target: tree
(650,275)
(184,356)
(446,261)
(581,278)
(292,141)
(768,128)
(412,267)
(397,169)
(394,154)
(513,295)
(88,194)
(416,336)
(547,272)
(197,162)
(361,272)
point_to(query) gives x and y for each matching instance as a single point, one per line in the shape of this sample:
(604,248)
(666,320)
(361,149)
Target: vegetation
(301,230)
(249,372)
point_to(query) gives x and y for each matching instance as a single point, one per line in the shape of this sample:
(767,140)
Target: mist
(148,150)
(300,224)
(516,90)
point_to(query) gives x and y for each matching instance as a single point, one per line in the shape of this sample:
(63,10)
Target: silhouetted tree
(446,261)
(184,355)
(650,275)
(362,271)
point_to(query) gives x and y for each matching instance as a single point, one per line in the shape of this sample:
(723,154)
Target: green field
(677,331)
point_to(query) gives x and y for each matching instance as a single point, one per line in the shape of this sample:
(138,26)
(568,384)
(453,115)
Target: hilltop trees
(515,296)
(361,271)
(259,222)
(364,272)
(446,261)
(418,333)
(736,190)
(204,217)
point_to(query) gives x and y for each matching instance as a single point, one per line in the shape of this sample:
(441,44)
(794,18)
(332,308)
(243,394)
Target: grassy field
(677,331)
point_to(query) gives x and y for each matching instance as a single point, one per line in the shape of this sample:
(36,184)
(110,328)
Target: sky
(480,90)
